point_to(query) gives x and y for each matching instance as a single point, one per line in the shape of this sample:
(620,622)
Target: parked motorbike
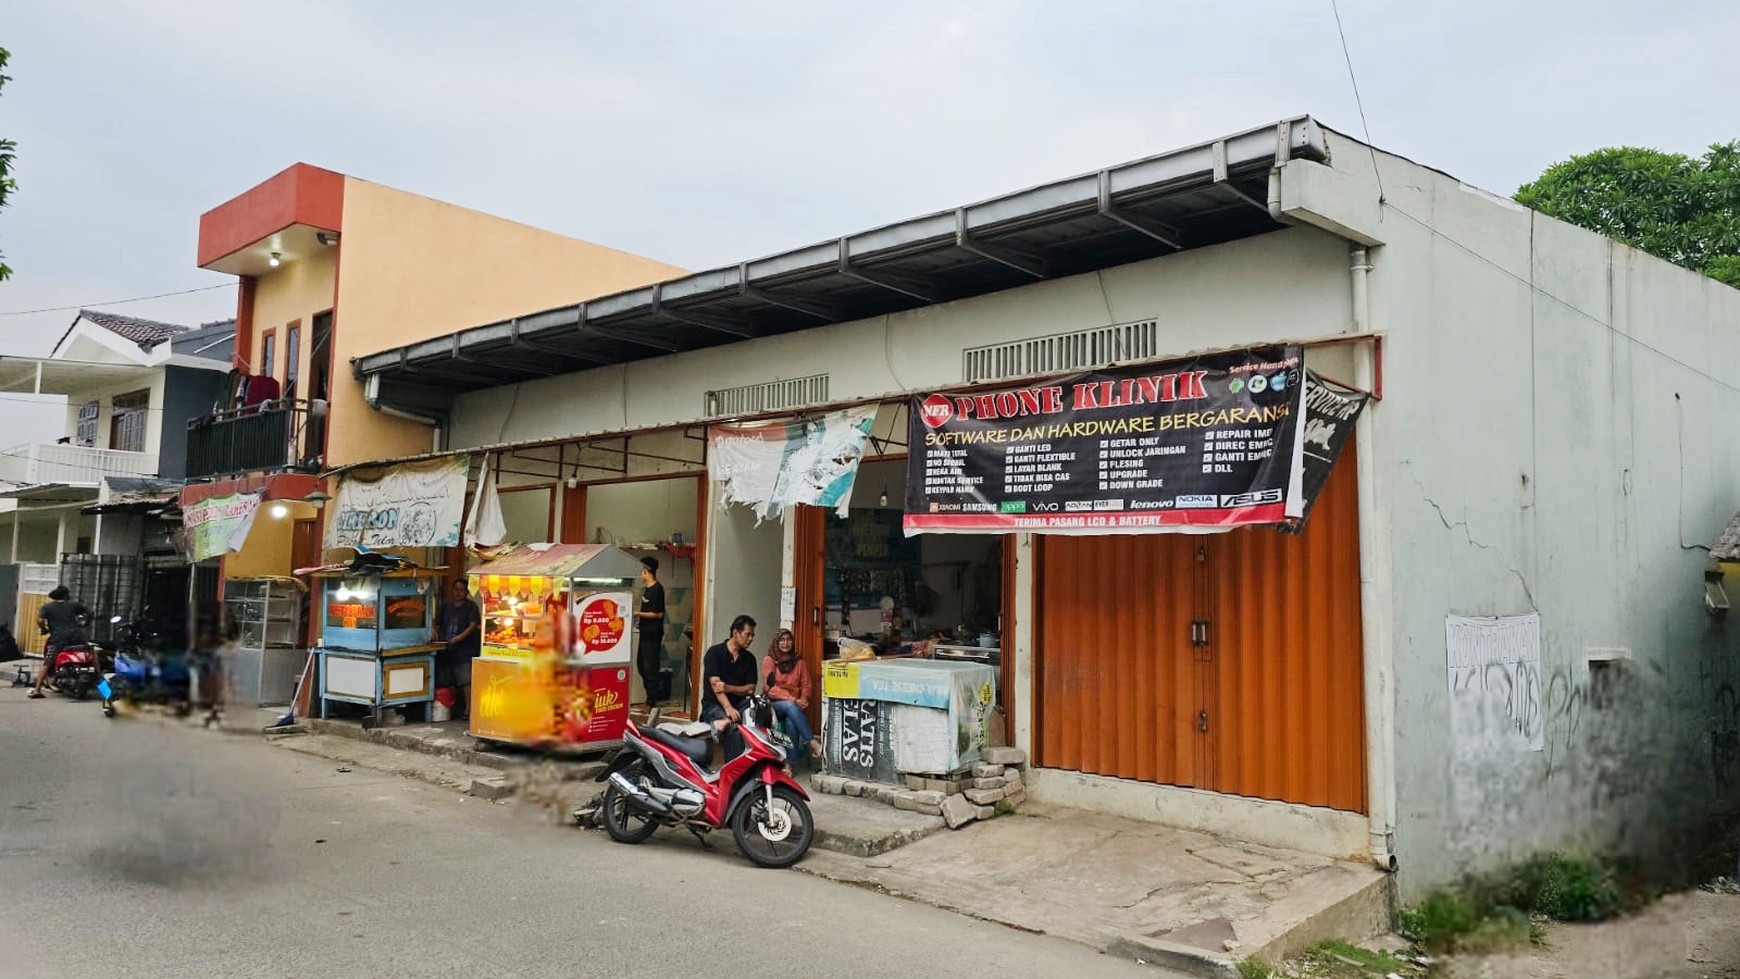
(74,671)
(146,668)
(661,779)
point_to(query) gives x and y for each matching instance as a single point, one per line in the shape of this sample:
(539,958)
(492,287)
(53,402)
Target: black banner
(1211,441)
(1330,414)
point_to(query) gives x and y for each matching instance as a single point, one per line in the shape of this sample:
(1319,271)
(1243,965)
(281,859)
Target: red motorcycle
(662,779)
(75,671)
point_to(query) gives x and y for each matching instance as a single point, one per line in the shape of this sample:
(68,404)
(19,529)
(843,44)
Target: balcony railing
(259,438)
(34,464)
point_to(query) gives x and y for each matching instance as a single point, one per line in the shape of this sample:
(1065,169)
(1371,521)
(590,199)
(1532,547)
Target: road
(136,848)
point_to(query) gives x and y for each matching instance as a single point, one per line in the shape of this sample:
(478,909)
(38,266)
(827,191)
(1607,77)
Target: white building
(1553,437)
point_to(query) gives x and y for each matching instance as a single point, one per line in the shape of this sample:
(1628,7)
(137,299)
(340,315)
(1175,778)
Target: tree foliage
(1680,208)
(7,183)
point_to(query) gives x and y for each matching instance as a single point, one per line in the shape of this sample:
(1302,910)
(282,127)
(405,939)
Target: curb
(394,738)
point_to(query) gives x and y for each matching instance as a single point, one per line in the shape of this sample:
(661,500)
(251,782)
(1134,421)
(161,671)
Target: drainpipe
(1375,593)
(372,395)
(1275,196)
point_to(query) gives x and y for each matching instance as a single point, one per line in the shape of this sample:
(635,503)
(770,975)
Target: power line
(1357,101)
(114,302)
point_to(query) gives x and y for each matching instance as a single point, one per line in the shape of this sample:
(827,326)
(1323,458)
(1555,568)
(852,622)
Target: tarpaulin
(220,524)
(770,467)
(411,504)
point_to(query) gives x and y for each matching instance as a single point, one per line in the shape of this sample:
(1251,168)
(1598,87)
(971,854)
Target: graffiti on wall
(1495,682)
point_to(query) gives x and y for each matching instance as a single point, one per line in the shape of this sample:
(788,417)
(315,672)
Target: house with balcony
(332,267)
(100,484)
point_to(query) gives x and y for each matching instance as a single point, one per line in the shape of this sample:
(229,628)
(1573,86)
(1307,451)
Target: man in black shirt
(650,623)
(63,621)
(728,678)
(457,627)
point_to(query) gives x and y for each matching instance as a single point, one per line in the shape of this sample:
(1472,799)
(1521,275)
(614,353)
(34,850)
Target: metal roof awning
(41,375)
(1204,195)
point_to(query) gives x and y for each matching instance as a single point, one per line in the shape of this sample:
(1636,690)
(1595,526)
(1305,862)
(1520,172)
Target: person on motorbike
(788,689)
(62,620)
(728,677)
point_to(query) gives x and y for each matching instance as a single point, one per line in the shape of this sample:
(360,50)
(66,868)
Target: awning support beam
(1223,180)
(906,285)
(805,306)
(1015,258)
(718,324)
(1161,232)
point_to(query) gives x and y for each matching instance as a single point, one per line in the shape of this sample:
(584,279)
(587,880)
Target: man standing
(63,621)
(650,623)
(457,627)
(727,680)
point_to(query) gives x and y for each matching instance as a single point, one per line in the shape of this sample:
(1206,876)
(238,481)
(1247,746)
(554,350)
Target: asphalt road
(135,848)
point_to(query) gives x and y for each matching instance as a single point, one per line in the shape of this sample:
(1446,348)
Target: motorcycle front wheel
(623,820)
(776,836)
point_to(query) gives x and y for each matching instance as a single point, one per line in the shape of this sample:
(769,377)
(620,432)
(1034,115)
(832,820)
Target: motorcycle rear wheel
(623,820)
(774,838)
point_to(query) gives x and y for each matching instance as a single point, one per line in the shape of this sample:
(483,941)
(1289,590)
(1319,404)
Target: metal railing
(259,438)
(37,463)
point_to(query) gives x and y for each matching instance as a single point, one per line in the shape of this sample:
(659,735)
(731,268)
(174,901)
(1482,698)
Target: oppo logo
(936,411)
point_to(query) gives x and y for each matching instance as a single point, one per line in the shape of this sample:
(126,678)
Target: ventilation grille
(1061,352)
(753,399)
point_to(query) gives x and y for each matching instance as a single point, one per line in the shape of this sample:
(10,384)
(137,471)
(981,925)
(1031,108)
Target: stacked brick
(984,790)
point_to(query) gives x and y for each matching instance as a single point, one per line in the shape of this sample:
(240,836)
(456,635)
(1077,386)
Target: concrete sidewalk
(1183,900)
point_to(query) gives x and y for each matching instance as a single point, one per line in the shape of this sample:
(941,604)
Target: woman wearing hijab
(788,688)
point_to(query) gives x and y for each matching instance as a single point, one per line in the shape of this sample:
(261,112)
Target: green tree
(1680,208)
(7,183)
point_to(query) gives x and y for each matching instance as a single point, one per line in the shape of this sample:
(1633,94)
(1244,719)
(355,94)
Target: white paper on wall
(1495,683)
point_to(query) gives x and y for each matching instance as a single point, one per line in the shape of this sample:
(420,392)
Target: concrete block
(931,796)
(985,812)
(920,802)
(958,812)
(1011,777)
(492,788)
(915,783)
(853,789)
(984,797)
(1015,796)
(989,783)
(886,794)
(987,770)
(829,784)
(925,783)
(1005,756)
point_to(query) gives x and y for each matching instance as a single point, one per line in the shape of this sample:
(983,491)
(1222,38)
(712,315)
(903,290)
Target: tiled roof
(1728,545)
(146,333)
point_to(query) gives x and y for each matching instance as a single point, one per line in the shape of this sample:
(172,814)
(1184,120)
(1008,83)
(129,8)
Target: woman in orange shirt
(788,688)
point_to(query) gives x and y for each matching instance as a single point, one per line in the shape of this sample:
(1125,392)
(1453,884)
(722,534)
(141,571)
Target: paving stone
(915,783)
(1011,777)
(984,797)
(1005,756)
(828,784)
(987,770)
(492,788)
(919,802)
(854,789)
(989,783)
(985,812)
(958,812)
(1015,796)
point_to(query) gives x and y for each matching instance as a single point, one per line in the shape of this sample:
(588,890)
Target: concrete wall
(416,268)
(187,394)
(1552,440)
(293,292)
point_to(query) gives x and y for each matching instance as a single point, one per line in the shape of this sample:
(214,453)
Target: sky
(707,133)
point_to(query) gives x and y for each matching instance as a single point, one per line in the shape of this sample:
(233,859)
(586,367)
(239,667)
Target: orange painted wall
(413,268)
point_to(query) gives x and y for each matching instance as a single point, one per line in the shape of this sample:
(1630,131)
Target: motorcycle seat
(698,750)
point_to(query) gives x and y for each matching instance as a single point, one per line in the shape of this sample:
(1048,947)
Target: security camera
(326,237)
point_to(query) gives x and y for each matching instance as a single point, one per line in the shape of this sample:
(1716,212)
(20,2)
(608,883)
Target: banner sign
(413,504)
(770,467)
(219,524)
(1330,414)
(1207,443)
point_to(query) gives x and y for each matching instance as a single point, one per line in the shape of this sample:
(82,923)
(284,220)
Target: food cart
(556,647)
(373,648)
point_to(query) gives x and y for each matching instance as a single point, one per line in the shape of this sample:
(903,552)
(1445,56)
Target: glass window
(87,430)
(127,417)
(269,354)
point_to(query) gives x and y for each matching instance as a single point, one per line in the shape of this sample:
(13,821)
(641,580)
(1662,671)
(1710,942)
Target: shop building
(331,267)
(1490,637)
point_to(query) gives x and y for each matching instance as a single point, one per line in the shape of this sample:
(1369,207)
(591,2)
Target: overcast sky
(707,133)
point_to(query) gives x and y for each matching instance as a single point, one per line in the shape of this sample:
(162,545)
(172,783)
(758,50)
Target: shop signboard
(412,504)
(219,524)
(1330,414)
(770,467)
(1200,444)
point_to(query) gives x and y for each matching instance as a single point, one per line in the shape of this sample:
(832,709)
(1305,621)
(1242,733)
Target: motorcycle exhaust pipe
(638,795)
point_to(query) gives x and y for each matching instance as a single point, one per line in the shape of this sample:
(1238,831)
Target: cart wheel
(625,822)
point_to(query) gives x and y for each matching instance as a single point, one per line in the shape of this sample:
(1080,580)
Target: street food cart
(373,645)
(884,718)
(557,641)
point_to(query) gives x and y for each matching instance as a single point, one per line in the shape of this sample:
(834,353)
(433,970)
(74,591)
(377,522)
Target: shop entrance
(1228,662)
(860,578)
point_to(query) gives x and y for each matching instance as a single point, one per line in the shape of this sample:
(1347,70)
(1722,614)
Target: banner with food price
(1195,445)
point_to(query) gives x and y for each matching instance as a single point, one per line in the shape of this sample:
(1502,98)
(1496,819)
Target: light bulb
(280,511)
(273,261)
(883,499)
